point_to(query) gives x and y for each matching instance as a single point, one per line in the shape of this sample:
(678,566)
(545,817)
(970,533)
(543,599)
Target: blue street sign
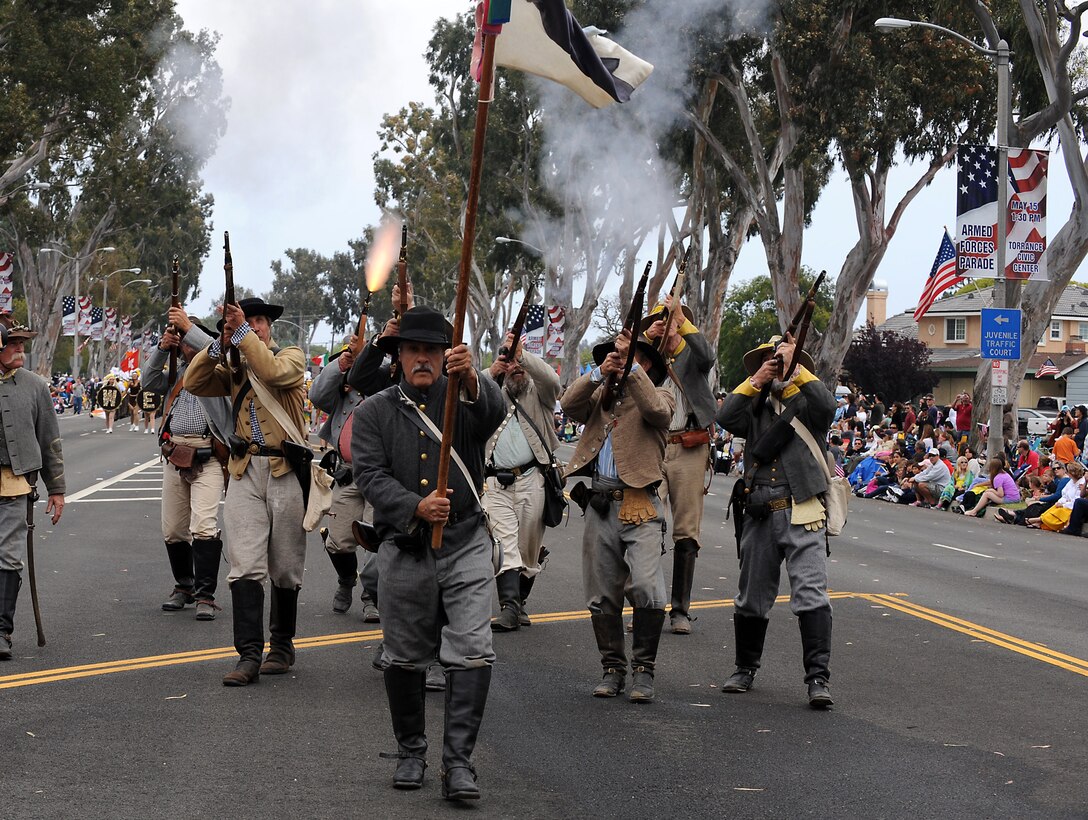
(1000,333)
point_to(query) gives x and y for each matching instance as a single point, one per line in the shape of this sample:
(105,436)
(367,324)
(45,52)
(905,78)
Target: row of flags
(94,323)
(975,250)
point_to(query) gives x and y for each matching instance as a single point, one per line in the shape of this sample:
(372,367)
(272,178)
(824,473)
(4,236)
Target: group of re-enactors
(226,427)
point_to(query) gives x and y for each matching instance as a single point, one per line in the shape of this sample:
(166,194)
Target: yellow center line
(982,633)
(1014,644)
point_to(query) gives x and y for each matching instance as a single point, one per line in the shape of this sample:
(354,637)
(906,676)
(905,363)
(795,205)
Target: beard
(516,386)
(778,385)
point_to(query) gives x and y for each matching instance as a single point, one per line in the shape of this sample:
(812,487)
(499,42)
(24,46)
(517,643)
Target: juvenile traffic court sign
(1000,333)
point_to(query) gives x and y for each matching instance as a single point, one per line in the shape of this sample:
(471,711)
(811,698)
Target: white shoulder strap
(799,428)
(278,413)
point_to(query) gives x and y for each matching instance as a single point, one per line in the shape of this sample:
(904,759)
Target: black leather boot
(180,554)
(346,565)
(10,581)
(750,633)
(247,606)
(608,630)
(207,553)
(645,637)
(815,626)
(466,697)
(526,583)
(407,708)
(509,587)
(282,616)
(684,554)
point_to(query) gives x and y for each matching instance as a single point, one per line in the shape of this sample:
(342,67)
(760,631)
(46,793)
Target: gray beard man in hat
(29,444)
(265,507)
(784,514)
(193,440)
(621,449)
(423,591)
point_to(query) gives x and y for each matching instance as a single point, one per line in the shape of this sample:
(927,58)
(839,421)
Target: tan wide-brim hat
(20,333)
(753,359)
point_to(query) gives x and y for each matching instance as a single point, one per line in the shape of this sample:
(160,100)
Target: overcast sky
(309,83)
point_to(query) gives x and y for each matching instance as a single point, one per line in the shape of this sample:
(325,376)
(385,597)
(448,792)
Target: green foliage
(750,317)
(884,362)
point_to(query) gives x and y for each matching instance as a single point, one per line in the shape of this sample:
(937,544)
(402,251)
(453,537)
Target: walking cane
(30,499)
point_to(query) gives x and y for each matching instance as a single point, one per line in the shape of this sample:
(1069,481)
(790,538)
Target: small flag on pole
(1048,368)
(942,276)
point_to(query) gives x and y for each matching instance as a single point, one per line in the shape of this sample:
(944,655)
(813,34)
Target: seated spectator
(866,470)
(931,480)
(960,480)
(946,445)
(1057,517)
(1002,489)
(1065,448)
(1027,461)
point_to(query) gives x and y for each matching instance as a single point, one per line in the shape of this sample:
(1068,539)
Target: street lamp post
(1003,293)
(105,285)
(75,337)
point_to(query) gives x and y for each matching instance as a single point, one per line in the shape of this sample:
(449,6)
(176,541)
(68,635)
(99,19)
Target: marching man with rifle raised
(783,411)
(516,456)
(626,414)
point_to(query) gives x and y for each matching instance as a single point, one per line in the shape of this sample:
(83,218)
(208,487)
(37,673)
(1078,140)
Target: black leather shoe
(178,600)
(507,621)
(436,678)
(611,684)
(642,686)
(740,681)
(245,673)
(459,783)
(341,601)
(409,772)
(819,696)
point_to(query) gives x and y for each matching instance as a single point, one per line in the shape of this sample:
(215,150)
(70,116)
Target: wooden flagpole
(453,387)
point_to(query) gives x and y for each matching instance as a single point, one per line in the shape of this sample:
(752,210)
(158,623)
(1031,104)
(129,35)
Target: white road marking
(77,497)
(957,549)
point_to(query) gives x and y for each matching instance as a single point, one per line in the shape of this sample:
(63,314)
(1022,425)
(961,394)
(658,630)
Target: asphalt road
(960,661)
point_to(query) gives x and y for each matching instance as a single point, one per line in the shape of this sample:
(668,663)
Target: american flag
(839,472)
(68,316)
(1048,368)
(1026,256)
(96,324)
(942,276)
(534,330)
(7,295)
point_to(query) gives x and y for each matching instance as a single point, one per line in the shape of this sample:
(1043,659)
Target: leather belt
(255,449)
(458,517)
(518,472)
(611,495)
(776,504)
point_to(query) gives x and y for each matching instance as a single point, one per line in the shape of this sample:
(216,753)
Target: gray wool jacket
(692,368)
(804,475)
(328,394)
(31,430)
(216,408)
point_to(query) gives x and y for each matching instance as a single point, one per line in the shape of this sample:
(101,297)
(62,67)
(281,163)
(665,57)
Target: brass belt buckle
(777,504)
(254,448)
(616,495)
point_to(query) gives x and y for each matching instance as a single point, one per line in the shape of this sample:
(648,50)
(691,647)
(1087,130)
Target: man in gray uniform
(332,393)
(687,455)
(193,438)
(622,448)
(784,514)
(424,591)
(514,496)
(29,444)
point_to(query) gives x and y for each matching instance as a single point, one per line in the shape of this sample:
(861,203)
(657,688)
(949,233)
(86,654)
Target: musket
(669,314)
(516,329)
(360,333)
(402,271)
(230,356)
(30,499)
(802,320)
(172,376)
(615,384)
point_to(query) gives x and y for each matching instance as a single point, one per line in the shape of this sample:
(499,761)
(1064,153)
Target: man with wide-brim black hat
(621,449)
(784,514)
(425,593)
(265,502)
(193,440)
(29,446)
(687,455)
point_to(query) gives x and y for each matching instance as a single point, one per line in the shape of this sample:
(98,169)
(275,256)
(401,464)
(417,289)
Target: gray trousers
(349,505)
(449,591)
(763,547)
(613,552)
(12,532)
(263,519)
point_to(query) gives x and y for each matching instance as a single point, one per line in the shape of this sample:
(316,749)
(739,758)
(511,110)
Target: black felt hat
(420,324)
(255,306)
(657,371)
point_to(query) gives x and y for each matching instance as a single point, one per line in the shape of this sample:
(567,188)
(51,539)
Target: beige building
(952,330)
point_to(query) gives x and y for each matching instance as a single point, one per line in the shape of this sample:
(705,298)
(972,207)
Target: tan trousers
(685,473)
(191,510)
(263,517)
(517,518)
